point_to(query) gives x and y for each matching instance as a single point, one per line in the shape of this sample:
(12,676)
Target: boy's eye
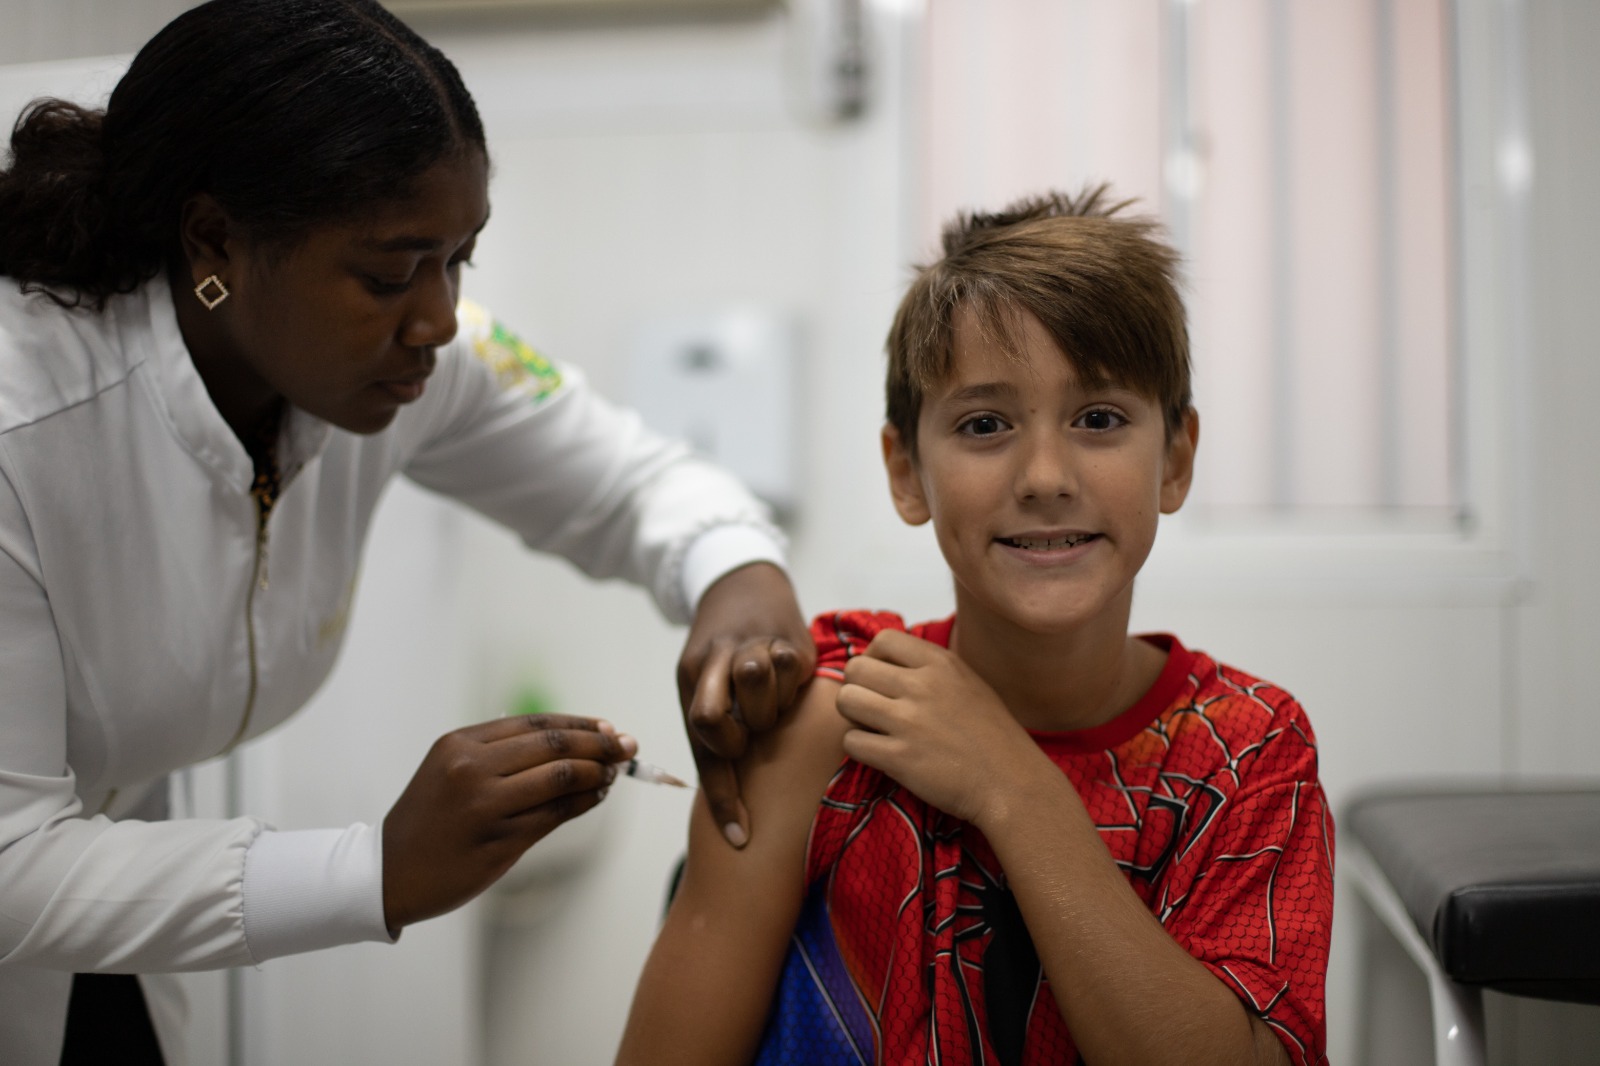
(1101,419)
(983,425)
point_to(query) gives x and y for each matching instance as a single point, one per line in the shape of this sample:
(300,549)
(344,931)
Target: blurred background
(1388,216)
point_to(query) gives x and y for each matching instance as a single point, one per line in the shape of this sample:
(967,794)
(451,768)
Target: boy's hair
(1104,287)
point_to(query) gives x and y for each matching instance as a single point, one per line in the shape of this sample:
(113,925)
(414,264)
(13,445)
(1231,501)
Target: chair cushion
(1503,885)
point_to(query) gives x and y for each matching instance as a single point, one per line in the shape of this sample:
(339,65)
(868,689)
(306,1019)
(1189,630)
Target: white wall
(639,172)
(32,31)
(1557,711)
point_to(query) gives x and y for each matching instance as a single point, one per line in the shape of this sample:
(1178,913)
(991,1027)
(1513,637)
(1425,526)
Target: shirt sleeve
(842,635)
(79,891)
(1251,895)
(525,441)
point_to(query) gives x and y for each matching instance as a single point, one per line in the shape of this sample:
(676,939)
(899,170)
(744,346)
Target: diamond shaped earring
(211,283)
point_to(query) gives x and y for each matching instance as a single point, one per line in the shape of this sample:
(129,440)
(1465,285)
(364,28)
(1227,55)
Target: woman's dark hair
(289,112)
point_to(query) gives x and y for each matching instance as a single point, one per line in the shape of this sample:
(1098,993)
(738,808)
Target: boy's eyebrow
(985,390)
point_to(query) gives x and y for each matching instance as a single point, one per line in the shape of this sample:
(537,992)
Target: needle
(656,775)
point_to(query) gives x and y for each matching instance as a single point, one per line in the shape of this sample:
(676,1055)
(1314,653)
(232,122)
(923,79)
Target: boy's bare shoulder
(805,748)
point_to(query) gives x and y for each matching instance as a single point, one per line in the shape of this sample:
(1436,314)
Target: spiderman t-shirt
(911,949)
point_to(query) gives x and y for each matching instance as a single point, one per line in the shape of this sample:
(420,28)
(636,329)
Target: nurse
(229,313)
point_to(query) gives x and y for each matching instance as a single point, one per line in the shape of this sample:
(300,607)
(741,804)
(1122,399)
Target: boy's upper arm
(782,780)
(707,986)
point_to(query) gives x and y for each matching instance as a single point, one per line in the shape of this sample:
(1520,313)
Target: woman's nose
(431,318)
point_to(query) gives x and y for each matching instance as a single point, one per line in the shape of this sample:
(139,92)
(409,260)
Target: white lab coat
(146,624)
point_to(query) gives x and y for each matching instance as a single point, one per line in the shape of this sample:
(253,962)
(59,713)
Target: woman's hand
(748,653)
(926,719)
(481,797)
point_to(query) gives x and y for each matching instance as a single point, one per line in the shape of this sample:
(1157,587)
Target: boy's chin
(1050,619)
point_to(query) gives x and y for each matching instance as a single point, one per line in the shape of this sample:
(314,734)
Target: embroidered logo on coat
(516,366)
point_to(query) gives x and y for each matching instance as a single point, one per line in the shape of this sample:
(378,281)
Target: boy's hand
(927,720)
(749,652)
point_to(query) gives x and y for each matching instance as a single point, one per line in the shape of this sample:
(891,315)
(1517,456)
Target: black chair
(1485,888)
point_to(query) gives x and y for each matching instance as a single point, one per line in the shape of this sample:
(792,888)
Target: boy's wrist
(1024,800)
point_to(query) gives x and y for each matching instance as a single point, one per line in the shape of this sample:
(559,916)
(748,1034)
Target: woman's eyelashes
(380,285)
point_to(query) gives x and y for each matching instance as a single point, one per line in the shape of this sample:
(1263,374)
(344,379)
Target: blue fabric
(817,1016)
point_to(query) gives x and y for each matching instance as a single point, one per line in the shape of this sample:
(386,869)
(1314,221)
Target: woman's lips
(405,391)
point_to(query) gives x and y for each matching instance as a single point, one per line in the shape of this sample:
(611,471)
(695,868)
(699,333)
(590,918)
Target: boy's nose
(1048,470)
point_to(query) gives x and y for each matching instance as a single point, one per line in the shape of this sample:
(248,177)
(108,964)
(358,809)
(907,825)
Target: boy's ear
(1178,472)
(905,482)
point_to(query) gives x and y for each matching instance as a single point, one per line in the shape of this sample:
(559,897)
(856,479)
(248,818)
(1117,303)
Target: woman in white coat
(229,313)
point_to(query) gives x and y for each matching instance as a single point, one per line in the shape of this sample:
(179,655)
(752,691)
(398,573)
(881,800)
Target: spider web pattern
(911,949)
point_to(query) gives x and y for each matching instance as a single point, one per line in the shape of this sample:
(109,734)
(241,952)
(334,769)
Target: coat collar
(195,419)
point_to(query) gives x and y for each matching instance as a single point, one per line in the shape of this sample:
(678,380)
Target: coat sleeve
(79,891)
(526,442)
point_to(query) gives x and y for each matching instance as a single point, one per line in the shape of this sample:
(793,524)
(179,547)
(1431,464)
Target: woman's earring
(220,292)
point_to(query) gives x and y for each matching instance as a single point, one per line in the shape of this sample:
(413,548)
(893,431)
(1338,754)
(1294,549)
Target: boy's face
(1044,493)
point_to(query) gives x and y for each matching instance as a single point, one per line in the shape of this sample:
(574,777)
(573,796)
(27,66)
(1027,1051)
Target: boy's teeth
(1033,544)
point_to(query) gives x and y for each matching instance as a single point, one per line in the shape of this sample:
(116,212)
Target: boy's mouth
(1042,544)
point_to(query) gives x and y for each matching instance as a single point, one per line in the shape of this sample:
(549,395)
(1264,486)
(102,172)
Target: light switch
(725,382)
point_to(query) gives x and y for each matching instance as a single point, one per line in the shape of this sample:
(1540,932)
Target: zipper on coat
(265,495)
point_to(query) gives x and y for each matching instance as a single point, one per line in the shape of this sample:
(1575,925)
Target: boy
(1048,841)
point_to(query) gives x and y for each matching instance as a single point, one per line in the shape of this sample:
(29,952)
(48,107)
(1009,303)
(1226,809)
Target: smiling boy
(1018,835)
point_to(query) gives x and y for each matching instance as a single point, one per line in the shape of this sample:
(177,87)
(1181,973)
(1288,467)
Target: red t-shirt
(911,948)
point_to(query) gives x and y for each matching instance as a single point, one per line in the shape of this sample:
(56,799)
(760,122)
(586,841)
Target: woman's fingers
(719,782)
(515,725)
(552,784)
(533,825)
(481,796)
(755,687)
(542,743)
(710,714)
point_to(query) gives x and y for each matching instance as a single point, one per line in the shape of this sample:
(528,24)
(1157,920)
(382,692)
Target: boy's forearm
(1129,993)
(707,988)
(702,999)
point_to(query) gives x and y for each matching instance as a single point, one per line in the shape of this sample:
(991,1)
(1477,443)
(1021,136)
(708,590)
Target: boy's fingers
(720,785)
(872,749)
(876,674)
(865,708)
(901,648)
